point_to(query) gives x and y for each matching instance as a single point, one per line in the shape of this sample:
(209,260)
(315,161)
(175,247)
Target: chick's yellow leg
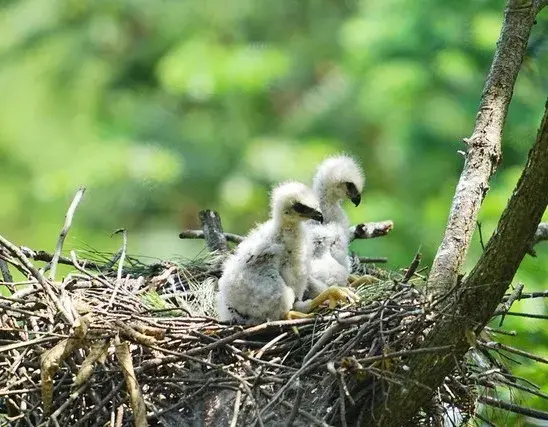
(366,279)
(290,315)
(334,294)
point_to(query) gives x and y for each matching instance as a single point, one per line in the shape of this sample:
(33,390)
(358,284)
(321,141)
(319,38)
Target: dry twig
(512,407)
(199,234)
(508,303)
(66,227)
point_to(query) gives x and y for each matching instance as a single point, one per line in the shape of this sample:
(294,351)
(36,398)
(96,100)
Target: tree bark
(484,146)
(477,298)
(210,221)
(517,226)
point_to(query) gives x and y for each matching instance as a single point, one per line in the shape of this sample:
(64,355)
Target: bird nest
(144,348)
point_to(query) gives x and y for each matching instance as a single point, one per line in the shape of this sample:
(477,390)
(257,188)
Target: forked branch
(478,296)
(484,146)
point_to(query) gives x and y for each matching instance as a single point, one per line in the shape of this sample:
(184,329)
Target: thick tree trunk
(477,298)
(472,303)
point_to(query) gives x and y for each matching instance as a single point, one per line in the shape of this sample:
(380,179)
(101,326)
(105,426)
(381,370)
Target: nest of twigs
(101,347)
(118,342)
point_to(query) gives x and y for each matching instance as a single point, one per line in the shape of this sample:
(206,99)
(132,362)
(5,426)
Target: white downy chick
(268,272)
(323,266)
(337,178)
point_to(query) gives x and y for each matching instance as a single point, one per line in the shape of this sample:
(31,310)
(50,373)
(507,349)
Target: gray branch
(367,230)
(484,146)
(542,232)
(540,236)
(6,276)
(47,257)
(66,227)
(44,283)
(210,221)
(370,230)
(199,234)
(5,270)
(478,296)
(512,407)
(120,265)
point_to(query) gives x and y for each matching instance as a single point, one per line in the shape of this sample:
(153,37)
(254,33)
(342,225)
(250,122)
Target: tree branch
(47,257)
(540,236)
(484,146)
(210,221)
(66,227)
(370,230)
(199,234)
(497,403)
(44,283)
(517,225)
(6,275)
(367,230)
(478,296)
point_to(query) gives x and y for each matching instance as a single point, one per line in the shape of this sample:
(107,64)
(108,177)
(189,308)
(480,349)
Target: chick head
(295,201)
(339,177)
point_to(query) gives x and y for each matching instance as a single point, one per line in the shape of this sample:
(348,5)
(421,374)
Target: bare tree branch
(484,146)
(66,227)
(540,236)
(44,283)
(6,275)
(43,256)
(199,234)
(210,221)
(477,298)
(512,407)
(372,260)
(370,230)
(367,230)
(120,265)
(506,305)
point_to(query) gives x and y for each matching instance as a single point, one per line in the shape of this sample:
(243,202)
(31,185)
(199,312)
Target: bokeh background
(163,108)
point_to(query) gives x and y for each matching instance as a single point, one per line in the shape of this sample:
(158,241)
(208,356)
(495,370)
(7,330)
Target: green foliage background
(163,108)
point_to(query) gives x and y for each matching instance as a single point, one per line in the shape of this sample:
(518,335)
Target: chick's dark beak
(353,193)
(317,216)
(308,212)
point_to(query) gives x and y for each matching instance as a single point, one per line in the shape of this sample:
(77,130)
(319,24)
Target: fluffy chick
(323,266)
(337,178)
(268,272)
